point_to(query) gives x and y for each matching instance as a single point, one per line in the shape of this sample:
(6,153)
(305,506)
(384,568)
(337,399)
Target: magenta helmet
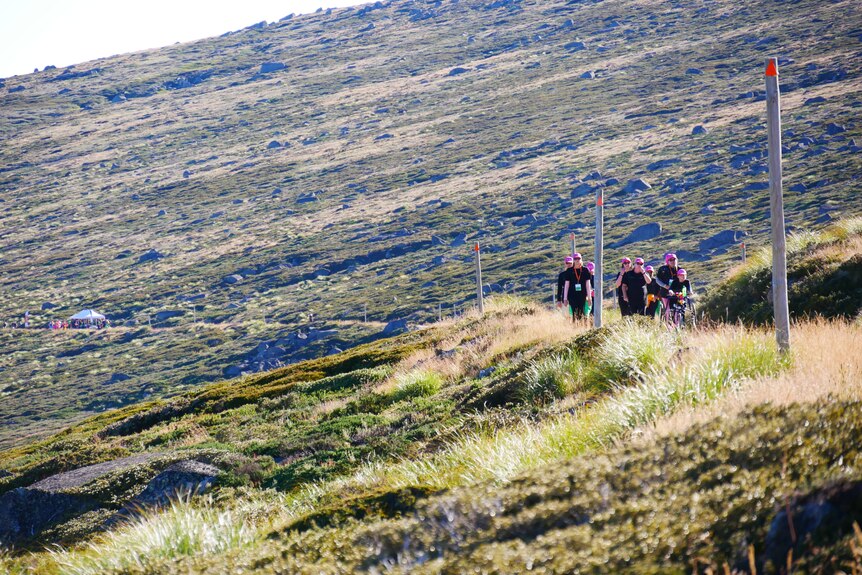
(569,260)
(681,272)
(649,269)
(576,256)
(626,261)
(669,256)
(639,261)
(591,266)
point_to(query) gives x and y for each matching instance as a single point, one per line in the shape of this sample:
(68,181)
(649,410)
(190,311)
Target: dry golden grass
(827,361)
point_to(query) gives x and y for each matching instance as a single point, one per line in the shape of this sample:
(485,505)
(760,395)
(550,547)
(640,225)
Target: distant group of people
(79,324)
(640,289)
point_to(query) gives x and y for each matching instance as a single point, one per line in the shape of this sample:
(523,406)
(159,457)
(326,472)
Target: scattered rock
(636,185)
(756,186)
(639,234)
(458,71)
(833,129)
(268,67)
(697,130)
(721,239)
(306,198)
(117,378)
(232,371)
(582,189)
(694,71)
(162,213)
(48,305)
(150,256)
(167,314)
(232,279)
(273,145)
(459,240)
(588,75)
(575,46)
(662,164)
(395,327)
(184,477)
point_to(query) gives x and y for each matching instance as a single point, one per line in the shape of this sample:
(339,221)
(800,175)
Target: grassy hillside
(412,454)
(193,182)
(824,278)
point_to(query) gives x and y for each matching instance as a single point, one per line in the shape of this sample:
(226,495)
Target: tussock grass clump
(630,352)
(417,383)
(552,378)
(184,528)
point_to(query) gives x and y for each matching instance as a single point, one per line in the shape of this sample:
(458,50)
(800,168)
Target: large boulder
(184,477)
(25,512)
(721,239)
(639,234)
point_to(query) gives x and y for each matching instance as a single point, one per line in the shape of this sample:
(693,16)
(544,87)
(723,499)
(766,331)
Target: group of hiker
(640,289)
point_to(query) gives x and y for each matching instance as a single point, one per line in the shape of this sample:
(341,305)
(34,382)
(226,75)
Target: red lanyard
(577,275)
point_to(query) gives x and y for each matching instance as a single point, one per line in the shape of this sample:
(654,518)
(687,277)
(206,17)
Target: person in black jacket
(625,266)
(634,283)
(665,275)
(573,286)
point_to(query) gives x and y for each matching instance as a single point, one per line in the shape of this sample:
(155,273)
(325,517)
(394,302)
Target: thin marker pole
(365,313)
(600,246)
(776,207)
(479,296)
(573,244)
(439,312)
(743,252)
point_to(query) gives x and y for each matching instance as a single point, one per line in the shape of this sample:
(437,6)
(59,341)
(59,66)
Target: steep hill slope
(486,443)
(278,179)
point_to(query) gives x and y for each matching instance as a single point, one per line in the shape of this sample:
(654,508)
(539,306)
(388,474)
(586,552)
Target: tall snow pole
(600,231)
(573,244)
(776,207)
(480,300)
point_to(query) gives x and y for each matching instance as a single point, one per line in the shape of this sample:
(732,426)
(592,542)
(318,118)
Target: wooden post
(600,246)
(480,299)
(573,244)
(776,207)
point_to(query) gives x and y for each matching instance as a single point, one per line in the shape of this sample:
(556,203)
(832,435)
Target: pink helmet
(681,272)
(570,260)
(649,269)
(591,266)
(576,256)
(626,261)
(669,256)
(639,261)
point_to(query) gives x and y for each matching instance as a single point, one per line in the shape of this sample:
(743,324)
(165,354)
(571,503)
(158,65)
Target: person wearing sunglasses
(574,286)
(625,266)
(634,284)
